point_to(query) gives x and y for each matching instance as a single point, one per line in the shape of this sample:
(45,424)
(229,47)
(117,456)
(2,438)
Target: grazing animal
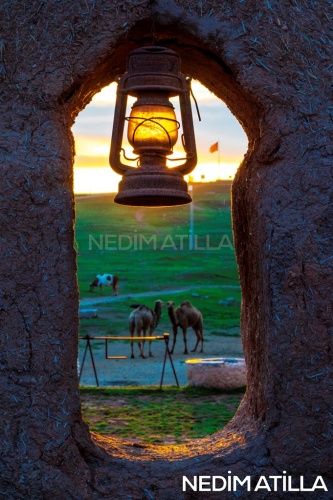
(105,280)
(186,316)
(144,319)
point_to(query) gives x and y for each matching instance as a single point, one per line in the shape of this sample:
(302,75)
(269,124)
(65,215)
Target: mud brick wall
(271,62)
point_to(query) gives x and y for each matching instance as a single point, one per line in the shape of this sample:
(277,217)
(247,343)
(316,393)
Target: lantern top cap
(153,49)
(153,59)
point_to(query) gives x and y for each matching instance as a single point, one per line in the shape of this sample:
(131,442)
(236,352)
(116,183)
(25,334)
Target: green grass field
(148,248)
(151,416)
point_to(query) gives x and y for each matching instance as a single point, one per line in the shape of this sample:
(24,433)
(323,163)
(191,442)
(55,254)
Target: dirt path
(111,298)
(138,371)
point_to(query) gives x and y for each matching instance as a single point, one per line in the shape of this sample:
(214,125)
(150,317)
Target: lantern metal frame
(152,71)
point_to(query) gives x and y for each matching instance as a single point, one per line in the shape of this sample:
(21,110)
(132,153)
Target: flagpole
(191,241)
(218,149)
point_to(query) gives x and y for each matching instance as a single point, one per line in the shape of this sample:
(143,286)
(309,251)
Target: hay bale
(217,373)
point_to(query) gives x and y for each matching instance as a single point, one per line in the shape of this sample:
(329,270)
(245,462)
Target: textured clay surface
(271,62)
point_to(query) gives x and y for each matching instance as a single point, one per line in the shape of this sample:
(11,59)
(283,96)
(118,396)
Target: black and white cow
(105,280)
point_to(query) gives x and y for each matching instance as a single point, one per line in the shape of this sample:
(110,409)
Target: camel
(142,319)
(186,316)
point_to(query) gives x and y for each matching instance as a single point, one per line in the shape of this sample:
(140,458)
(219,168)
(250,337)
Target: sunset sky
(92,133)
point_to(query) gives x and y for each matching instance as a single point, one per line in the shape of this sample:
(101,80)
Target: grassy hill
(148,248)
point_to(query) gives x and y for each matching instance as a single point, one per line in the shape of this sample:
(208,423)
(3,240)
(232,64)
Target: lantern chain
(153,22)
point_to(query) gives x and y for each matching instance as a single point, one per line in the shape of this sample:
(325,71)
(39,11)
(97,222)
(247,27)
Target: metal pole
(92,360)
(167,353)
(84,358)
(191,242)
(165,358)
(166,338)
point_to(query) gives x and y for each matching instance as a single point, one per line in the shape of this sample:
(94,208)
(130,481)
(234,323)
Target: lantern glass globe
(152,127)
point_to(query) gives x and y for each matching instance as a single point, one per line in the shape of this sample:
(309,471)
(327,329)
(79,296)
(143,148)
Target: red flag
(214,147)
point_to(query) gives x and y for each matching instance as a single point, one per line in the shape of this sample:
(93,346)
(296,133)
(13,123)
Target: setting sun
(92,133)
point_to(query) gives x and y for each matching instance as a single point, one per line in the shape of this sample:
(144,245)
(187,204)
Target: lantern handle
(195,102)
(188,138)
(129,159)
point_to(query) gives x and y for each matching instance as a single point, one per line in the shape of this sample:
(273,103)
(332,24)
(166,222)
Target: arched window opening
(170,254)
